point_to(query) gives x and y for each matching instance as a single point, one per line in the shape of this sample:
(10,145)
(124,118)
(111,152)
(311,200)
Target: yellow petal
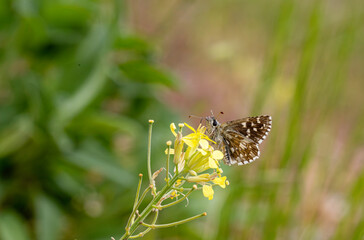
(204,144)
(171,151)
(203,136)
(192,129)
(191,142)
(208,191)
(218,155)
(212,163)
(173,194)
(201,129)
(220,181)
(178,182)
(181,164)
(192,173)
(173,129)
(203,152)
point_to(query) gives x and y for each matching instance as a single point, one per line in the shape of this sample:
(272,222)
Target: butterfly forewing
(253,128)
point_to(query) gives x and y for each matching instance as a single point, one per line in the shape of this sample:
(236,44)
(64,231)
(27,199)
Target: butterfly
(239,139)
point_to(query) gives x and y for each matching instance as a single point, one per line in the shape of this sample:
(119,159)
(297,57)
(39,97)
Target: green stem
(135,208)
(138,190)
(167,165)
(181,199)
(148,229)
(148,209)
(152,226)
(151,181)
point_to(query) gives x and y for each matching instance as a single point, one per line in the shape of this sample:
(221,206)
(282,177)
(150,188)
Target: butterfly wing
(239,150)
(241,138)
(253,128)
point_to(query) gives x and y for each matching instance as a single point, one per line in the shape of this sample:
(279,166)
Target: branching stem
(153,226)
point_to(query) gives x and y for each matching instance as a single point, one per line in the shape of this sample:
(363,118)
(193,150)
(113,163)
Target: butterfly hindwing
(239,150)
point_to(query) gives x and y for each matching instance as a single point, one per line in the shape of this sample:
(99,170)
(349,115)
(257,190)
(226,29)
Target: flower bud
(178,147)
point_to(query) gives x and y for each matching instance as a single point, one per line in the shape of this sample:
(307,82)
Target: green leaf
(103,122)
(48,219)
(75,104)
(15,135)
(93,157)
(12,227)
(64,13)
(144,72)
(132,43)
(25,7)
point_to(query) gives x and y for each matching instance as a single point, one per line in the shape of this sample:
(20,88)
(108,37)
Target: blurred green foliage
(76,92)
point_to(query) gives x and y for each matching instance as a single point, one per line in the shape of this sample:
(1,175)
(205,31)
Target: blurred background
(80,79)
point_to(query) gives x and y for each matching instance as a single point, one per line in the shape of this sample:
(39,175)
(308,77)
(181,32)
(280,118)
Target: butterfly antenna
(220,113)
(193,116)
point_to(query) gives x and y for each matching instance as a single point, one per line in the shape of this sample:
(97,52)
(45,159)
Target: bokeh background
(80,79)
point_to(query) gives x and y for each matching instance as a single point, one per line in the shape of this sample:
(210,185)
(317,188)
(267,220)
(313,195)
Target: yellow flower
(204,159)
(178,182)
(192,138)
(203,179)
(206,177)
(174,194)
(208,191)
(199,157)
(221,181)
(198,151)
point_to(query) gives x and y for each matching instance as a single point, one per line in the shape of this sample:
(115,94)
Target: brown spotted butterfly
(239,139)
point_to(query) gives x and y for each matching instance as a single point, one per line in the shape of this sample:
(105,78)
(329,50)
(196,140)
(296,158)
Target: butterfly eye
(214,123)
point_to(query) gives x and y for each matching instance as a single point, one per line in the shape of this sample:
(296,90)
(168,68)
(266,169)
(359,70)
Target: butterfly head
(212,125)
(211,120)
